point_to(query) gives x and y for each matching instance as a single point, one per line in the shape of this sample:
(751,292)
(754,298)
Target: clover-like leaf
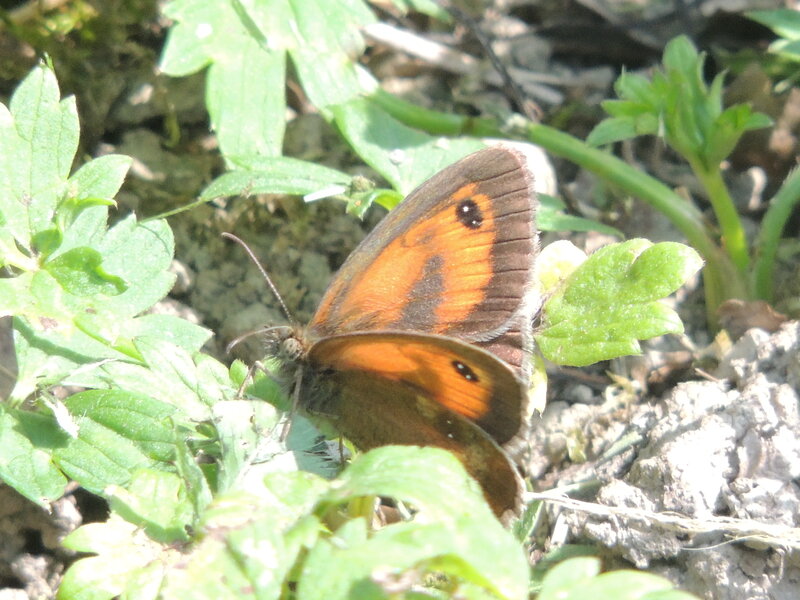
(612,300)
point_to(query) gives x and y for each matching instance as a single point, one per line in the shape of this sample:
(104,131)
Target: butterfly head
(287,343)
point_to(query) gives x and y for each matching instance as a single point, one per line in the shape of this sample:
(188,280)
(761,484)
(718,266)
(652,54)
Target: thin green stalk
(734,240)
(723,280)
(435,122)
(766,246)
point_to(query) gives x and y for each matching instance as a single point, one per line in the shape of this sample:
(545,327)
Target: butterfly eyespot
(469,214)
(464,371)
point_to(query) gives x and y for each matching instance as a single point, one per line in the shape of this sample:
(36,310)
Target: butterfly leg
(295,404)
(248,379)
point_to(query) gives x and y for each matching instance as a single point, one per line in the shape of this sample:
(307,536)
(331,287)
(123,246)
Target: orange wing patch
(464,379)
(439,266)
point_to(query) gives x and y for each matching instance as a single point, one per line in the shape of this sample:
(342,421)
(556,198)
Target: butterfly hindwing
(459,377)
(371,411)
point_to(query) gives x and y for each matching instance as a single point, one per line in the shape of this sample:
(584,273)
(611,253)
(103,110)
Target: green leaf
(637,89)
(680,55)
(785,22)
(568,576)
(613,130)
(246,101)
(46,357)
(612,300)
(46,242)
(118,432)
(389,471)
(351,562)
(100,178)
(148,277)
(86,327)
(250,544)
(278,175)
(80,272)
(677,105)
(246,79)
(465,542)
(580,578)
(99,456)
(268,555)
(198,488)
(334,26)
(330,79)
(85,225)
(43,138)
(175,330)
(156,501)
(202,33)
(786,49)
(86,283)
(246,45)
(628,584)
(137,417)
(123,554)
(246,428)
(25,441)
(169,374)
(404,156)
(192,388)
(728,129)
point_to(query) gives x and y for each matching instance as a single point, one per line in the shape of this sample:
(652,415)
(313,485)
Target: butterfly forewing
(455,258)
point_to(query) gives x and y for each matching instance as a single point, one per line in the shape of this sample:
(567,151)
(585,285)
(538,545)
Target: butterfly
(423,337)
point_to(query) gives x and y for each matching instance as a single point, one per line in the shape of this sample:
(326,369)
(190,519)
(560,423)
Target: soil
(688,456)
(703,478)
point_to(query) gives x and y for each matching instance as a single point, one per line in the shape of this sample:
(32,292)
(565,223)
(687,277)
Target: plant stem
(766,245)
(434,122)
(722,279)
(734,240)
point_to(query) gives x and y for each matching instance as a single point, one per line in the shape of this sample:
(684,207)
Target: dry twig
(736,530)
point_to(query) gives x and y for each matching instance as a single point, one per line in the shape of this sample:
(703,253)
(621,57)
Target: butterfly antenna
(264,274)
(244,336)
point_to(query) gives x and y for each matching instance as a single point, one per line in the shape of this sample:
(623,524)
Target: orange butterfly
(423,336)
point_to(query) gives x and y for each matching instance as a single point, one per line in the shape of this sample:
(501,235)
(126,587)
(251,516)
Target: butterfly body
(423,336)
